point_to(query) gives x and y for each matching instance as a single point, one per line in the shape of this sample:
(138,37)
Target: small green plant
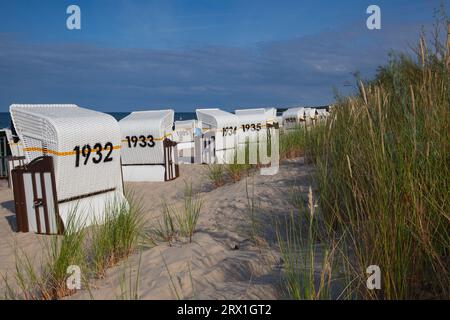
(237,167)
(27,283)
(235,171)
(216,174)
(187,219)
(115,239)
(177,291)
(252,209)
(63,252)
(117,236)
(178,223)
(48,281)
(165,231)
(191,279)
(130,291)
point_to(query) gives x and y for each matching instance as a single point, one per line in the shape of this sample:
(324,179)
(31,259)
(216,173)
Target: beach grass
(129,287)
(178,223)
(307,264)
(252,211)
(176,290)
(165,230)
(187,219)
(62,252)
(293,142)
(92,250)
(235,170)
(48,280)
(117,236)
(382,168)
(216,174)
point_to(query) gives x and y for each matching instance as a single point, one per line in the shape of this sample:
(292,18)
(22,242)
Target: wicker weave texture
(185,130)
(253,125)
(143,134)
(216,118)
(57,131)
(271,115)
(224,126)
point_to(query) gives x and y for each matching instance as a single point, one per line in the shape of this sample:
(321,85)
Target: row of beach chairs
(62,157)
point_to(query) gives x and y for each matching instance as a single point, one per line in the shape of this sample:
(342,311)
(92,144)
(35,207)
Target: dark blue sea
(5,119)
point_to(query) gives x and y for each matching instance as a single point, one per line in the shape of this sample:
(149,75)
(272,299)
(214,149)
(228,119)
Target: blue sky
(136,54)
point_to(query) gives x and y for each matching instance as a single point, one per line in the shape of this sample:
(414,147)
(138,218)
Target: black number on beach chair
(143,142)
(228,131)
(251,127)
(98,149)
(86,151)
(133,141)
(151,143)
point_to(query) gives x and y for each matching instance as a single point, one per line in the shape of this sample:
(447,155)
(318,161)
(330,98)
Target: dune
(225,259)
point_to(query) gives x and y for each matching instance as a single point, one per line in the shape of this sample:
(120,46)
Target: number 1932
(86,151)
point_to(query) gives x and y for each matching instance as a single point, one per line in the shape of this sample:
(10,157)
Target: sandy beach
(222,262)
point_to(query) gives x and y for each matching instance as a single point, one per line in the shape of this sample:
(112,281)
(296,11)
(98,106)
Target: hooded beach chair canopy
(271,115)
(84,145)
(143,133)
(253,124)
(252,116)
(293,116)
(322,113)
(186,124)
(219,132)
(215,118)
(297,113)
(310,113)
(279,119)
(185,130)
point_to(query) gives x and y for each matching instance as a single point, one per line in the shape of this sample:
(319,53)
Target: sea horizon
(5,118)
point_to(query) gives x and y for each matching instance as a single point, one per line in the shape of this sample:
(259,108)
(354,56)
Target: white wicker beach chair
(322,114)
(85,148)
(292,117)
(223,128)
(11,154)
(271,115)
(254,124)
(184,135)
(147,148)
